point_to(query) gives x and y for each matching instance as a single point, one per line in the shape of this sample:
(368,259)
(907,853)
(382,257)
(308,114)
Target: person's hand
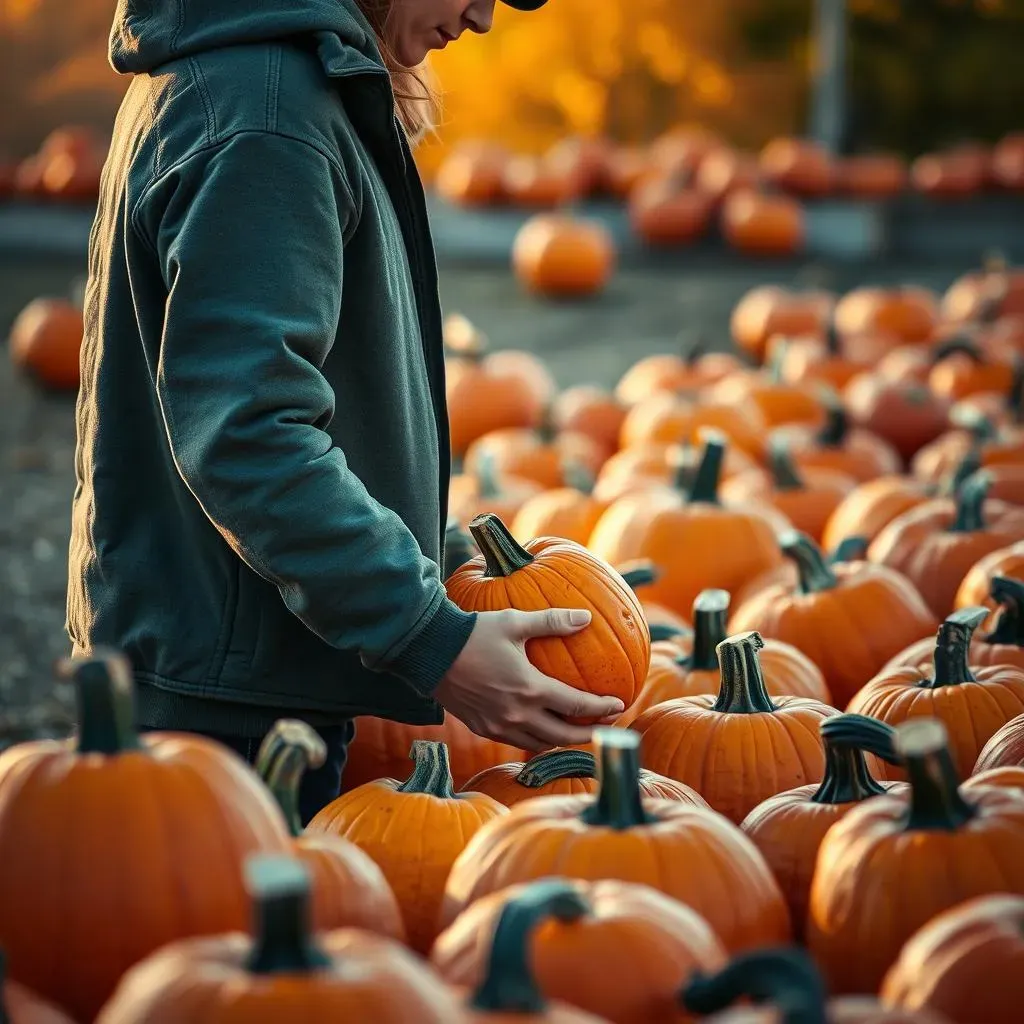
(493,688)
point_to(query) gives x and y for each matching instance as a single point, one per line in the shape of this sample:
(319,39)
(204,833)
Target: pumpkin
(606,946)
(961,369)
(686,851)
(472,176)
(590,411)
(763,225)
(561,256)
(211,803)
(807,499)
(1005,748)
(778,401)
(787,988)
(487,490)
(663,212)
(831,360)
(560,772)
(428,824)
(458,547)
(905,364)
(889,861)
(1010,776)
(569,512)
(693,368)
(20,1006)
(583,159)
(976,587)
(788,828)
(534,182)
(625,168)
(695,671)
(935,544)
(680,149)
(768,310)
(695,541)
(610,657)
(981,438)
(640,575)
(871,506)
(797,165)
(964,963)
(536,455)
(908,312)
(742,746)
(994,291)
(283,972)
(873,175)
(849,618)
(348,889)
(45,341)
(724,171)
(1008,162)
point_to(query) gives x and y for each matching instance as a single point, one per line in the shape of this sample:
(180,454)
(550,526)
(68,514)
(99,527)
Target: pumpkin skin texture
(210,801)
(610,657)
(1005,747)
(687,852)
(788,828)
(283,973)
(617,949)
(965,963)
(868,509)
(903,860)
(973,703)
(708,742)
(413,830)
(877,608)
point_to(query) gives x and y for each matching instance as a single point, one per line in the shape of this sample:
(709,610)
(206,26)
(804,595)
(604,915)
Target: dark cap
(526,5)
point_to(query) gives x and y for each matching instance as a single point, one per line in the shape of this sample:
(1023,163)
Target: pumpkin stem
(846,737)
(284,942)
(959,344)
(833,340)
(433,771)
(815,574)
(709,616)
(663,631)
(618,804)
(1009,595)
(1015,396)
(935,800)
(743,690)
(578,477)
(979,426)
(104,693)
(487,482)
(965,468)
(557,764)
(785,978)
(952,647)
(851,549)
(709,469)
(509,985)
(692,346)
(287,752)
(458,547)
(503,555)
(641,573)
(785,476)
(837,423)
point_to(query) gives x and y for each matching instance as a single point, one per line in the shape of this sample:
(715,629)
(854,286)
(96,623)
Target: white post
(828,112)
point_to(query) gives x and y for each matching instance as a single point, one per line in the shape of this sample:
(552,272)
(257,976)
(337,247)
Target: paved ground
(642,312)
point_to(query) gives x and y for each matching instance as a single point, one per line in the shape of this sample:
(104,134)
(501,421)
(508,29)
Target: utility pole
(829,104)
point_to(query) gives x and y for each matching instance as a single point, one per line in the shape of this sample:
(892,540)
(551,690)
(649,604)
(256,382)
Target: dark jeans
(319,787)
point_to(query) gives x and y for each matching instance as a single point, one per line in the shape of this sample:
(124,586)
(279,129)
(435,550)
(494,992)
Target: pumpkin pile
(65,168)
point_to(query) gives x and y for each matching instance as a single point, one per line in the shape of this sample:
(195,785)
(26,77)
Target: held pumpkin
(608,947)
(20,1006)
(610,657)
(686,851)
(1004,749)
(889,861)
(348,889)
(283,972)
(849,618)
(788,828)
(741,747)
(63,809)
(428,824)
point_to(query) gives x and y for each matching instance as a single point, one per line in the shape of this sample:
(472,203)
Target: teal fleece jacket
(263,452)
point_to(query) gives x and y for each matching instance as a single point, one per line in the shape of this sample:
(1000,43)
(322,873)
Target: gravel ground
(642,312)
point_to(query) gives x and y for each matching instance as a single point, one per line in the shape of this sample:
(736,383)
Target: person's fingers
(609,720)
(548,622)
(552,731)
(573,703)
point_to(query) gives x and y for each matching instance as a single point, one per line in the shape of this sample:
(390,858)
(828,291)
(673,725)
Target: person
(263,453)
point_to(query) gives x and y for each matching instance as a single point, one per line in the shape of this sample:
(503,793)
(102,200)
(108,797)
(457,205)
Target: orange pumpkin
(976,587)
(640,575)
(534,182)
(994,291)
(871,506)
(832,360)
(472,175)
(1004,749)
(742,746)
(889,859)
(663,212)
(724,171)
(687,852)
(560,256)
(788,828)
(1008,162)
(965,963)
(625,168)
(973,702)
(590,411)
(768,311)
(908,313)
(211,803)
(583,159)
(487,490)
(20,1006)
(798,166)
(873,176)
(779,403)
(348,889)
(763,225)
(647,943)
(283,972)
(536,455)
(681,148)
(693,369)
(567,512)
(961,369)
(45,341)
(978,438)
(947,175)
(936,543)
(879,608)
(428,824)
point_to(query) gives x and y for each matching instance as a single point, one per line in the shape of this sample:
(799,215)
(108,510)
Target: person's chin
(411,53)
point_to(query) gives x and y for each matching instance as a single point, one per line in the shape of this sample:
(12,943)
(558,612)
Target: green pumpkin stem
(837,424)
(851,549)
(846,738)
(959,344)
(557,764)
(692,347)
(785,476)
(952,648)
(663,631)
(833,341)
(743,690)
(284,942)
(965,468)
(578,477)
(814,572)
(432,773)
(976,423)
(1009,595)
(287,752)
(786,979)
(105,693)
(503,555)
(618,804)
(509,985)
(641,573)
(1015,396)
(488,485)
(709,628)
(935,800)
(458,547)
(709,470)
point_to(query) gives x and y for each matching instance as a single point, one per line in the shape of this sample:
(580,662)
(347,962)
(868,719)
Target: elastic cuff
(425,660)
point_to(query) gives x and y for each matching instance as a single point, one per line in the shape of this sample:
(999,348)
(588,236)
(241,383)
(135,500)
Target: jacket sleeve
(249,235)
